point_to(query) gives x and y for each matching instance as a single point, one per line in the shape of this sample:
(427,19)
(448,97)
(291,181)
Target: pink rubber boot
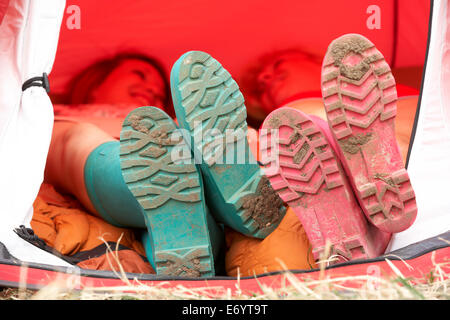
(379,238)
(360,98)
(304,170)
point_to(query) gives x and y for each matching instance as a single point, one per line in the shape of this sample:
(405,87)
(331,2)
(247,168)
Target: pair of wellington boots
(184,184)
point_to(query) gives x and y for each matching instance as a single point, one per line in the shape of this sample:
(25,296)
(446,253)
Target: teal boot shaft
(217,237)
(115,202)
(107,189)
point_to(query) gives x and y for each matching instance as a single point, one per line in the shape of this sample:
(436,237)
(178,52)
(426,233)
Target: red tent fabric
(235,32)
(3,6)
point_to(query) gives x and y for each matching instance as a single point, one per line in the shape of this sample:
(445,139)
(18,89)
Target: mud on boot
(169,192)
(211,108)
(304,170)
(360,99)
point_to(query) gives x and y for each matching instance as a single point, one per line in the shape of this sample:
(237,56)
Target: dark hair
(90,78)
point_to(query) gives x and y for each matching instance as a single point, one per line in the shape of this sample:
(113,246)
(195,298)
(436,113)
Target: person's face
(133,82)
(286,76)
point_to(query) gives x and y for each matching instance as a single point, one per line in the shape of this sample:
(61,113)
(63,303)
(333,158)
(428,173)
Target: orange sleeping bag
(67,227)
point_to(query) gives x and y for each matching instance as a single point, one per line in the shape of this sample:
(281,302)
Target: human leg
(70,147)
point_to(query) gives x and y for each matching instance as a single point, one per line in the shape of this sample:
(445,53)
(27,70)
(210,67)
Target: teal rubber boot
(107,190)
(170,192)
(209,105)
(217,242)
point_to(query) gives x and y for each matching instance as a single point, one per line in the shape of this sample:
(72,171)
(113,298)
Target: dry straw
(433,285)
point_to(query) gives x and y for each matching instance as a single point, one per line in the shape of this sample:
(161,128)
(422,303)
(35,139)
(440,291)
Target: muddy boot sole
(211,108)
(170,193)
(304,170)
(360,99)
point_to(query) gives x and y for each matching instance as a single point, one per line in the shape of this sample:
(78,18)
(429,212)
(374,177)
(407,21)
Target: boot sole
(360,100)
(207,98)
(302,167)
(171,194)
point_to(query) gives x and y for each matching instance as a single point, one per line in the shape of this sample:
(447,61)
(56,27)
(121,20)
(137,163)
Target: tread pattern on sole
(146,142)
(355,95)
(191,262)
(348,249)
(213,104)
(216,117)
(147,166)
(301,161)
(306,161)
(358,88)
(396,193)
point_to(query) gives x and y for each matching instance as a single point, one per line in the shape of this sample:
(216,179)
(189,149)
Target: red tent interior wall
(3,6)
(235,32)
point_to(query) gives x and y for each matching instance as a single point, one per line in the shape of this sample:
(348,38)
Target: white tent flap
(30,31)
(429,163)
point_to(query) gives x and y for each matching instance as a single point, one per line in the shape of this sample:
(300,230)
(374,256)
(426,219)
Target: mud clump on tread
(353,144)
(382,177)
(190,272)
(343,46)
(135,122)
(357,72)
(321,149)
(356,45)
(298,157)
(275,122)
(264,206)
(161,137)
(294,137)
(174,269)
